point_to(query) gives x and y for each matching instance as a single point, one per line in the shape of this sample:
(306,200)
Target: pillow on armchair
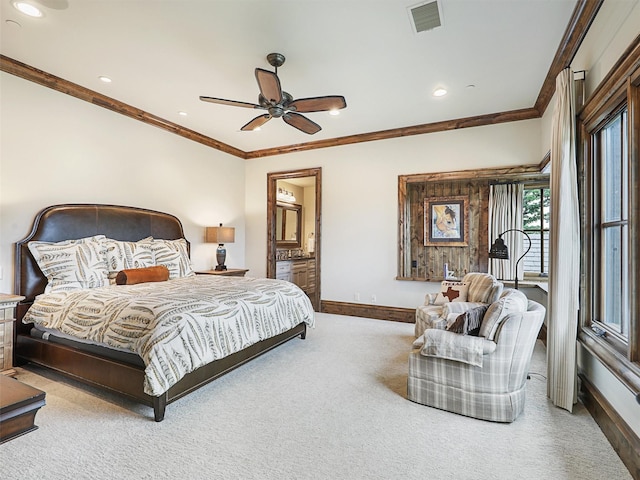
(451,292)
(510,301)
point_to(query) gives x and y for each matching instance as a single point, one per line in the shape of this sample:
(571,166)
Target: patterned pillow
(72,264)
(452,292)
(468,323)
(174,255)
(127,255)
(511,301)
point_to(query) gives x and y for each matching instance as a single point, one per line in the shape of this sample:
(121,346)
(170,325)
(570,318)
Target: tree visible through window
(535,221)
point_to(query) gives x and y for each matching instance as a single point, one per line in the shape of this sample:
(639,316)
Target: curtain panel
(564,250)
(505,212)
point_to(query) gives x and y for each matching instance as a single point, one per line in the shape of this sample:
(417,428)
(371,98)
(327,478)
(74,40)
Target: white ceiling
(163,54)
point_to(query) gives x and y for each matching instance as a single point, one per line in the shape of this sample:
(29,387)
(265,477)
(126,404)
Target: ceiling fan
(281,104)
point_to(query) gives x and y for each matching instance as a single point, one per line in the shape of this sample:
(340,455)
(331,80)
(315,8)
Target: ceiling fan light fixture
(28,9)
(281,104)
(439,92)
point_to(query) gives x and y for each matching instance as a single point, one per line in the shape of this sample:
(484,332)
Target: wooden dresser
(7,318)
(301,271)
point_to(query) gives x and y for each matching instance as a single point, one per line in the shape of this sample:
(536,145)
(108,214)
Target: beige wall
(360,202)
(57,149)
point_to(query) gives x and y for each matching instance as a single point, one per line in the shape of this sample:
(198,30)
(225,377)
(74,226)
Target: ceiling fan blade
(256,122)
(232,103)
(269,85)
(318,104)
(301,122)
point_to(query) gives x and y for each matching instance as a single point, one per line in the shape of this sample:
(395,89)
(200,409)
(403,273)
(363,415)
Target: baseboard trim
(623,440)
(378,312)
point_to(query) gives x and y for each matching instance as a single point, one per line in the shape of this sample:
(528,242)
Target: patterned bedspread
(178,325)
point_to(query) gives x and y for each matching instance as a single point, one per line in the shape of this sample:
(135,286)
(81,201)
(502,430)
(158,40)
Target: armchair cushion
(453,346)
(483,287)
(511,301)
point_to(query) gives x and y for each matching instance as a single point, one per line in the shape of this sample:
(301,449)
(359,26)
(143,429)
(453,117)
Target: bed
(62,327)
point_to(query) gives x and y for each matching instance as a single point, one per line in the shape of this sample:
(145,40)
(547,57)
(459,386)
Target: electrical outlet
(374,299)
(356,296)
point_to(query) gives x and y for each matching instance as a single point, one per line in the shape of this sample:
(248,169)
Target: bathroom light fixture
(285,196)
(28,9)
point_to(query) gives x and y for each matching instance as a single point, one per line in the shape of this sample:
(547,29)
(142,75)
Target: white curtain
(505,212)
(564,251)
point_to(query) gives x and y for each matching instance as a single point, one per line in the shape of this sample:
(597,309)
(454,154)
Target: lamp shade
(220,234)
(499,250)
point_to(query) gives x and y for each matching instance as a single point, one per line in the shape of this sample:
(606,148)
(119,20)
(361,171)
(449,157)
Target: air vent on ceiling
(425,16)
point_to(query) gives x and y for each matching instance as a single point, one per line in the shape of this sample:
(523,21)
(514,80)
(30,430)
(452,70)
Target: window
(610,209)
(612,225)
(535,221)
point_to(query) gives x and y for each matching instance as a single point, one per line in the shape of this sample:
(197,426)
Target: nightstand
(7,317)
(230,272)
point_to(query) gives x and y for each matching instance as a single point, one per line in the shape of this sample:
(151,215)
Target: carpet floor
(332,406)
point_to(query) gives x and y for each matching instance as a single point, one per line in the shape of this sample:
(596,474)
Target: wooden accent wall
(426,263)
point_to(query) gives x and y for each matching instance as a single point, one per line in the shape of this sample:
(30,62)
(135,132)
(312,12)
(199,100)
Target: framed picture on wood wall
(446,221)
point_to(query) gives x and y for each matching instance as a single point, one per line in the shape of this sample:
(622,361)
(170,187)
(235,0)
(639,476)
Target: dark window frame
(544,255)
(620,87)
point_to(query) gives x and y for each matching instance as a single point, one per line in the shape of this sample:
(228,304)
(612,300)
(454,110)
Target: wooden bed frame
(70,221)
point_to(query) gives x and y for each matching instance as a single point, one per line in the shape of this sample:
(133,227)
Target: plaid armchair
(481,289)
(479,376)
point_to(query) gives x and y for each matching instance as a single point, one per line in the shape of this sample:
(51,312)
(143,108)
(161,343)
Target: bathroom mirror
(288,225)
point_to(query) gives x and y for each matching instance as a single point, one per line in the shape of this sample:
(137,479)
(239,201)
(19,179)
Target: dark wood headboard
(71,221)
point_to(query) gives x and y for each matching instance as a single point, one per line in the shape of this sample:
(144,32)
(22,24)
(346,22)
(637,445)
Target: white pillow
(511,301)
(452,292)
(174,255)
(72,264)
(121,255)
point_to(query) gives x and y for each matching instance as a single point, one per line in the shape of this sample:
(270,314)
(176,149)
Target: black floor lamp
(500,251)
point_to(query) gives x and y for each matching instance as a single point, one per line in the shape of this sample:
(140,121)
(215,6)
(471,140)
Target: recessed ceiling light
(470,86)
(28,9)
(183,114)
(104,79)
(439,92)
(12,23)
(334,112)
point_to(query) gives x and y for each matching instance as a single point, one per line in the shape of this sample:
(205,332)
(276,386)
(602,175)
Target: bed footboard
(128,379)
